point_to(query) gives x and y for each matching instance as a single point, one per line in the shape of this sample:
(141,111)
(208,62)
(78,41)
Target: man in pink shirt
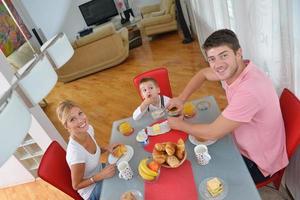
(253,113)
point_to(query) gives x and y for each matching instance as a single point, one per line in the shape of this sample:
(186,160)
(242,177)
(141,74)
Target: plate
(137,194)
(205,195)
(194,141)
(164,128)
(126,157)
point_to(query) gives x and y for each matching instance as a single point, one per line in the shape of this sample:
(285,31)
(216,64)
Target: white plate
(126,157)
(164,128)
(194,141)
(205,195)
(137,194)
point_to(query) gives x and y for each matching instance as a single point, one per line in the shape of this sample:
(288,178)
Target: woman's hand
(175,102)
(111,147)
(108,172)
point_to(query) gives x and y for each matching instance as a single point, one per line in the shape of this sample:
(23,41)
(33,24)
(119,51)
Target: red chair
(161,76)
(55,170)
(290,108)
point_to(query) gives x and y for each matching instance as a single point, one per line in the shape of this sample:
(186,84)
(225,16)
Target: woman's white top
(78,154)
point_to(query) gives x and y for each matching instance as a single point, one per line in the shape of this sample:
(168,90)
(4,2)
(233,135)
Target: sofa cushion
(159,13)
(156,20)
(98,33)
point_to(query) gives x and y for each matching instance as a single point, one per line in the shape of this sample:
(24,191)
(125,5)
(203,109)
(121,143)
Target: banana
(144,175)
(146,169)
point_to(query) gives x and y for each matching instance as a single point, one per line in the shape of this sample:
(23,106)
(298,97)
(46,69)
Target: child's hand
(150,100)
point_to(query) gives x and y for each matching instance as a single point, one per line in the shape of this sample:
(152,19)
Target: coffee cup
(125,171)
(201,153)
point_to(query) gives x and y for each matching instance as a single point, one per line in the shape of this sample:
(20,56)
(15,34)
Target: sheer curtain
(267,30)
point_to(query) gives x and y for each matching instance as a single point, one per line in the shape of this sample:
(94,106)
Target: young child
(152,100)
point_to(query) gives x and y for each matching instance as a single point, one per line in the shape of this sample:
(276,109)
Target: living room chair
(290,108)
(158,18)
(55,170)
(161,76)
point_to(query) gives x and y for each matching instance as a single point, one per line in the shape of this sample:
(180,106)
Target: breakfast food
(160,146)
(214,187)
(189,109)
(200,139)
(146,172)
(128,196)
(180,147)
(173,112)
(173,161)
(169,154)
(170,148)
(156,128)
(119,150)
(125,128)
(159,156)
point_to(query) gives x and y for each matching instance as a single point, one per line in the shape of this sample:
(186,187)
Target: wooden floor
(109,95)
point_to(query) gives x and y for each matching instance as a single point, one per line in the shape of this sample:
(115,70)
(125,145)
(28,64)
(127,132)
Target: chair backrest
(161,76)
(55,170)
(290,108)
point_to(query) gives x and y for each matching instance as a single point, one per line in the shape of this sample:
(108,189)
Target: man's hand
(175,102)
(176,122)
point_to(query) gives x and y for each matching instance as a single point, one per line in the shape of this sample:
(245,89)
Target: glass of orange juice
(189,109)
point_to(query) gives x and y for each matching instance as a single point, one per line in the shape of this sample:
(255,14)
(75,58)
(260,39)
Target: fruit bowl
(180,163)
(149,170)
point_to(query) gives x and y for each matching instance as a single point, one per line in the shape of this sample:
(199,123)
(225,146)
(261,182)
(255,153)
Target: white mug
(202,155)
(125,170)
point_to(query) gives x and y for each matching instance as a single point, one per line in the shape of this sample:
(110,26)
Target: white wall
(49,16)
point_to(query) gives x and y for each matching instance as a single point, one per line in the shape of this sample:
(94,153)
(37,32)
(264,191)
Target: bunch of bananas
(145,172)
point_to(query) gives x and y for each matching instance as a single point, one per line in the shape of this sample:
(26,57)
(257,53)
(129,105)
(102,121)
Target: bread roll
(159,156)
(119,150)
(180,148)
(173,161)
(160,146)
(170,148)
(180,145)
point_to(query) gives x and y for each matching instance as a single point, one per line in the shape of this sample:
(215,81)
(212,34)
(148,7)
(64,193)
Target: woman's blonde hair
(63,110)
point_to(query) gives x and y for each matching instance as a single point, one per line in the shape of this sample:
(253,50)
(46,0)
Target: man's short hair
(222,37)
(146,79)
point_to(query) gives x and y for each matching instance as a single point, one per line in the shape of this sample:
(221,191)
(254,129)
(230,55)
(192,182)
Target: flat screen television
(96,12)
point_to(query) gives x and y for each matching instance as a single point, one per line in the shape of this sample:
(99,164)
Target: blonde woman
(83,153)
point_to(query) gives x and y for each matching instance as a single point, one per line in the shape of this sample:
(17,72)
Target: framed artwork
(11,37)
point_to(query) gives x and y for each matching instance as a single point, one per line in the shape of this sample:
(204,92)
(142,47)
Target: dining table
(226,162)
